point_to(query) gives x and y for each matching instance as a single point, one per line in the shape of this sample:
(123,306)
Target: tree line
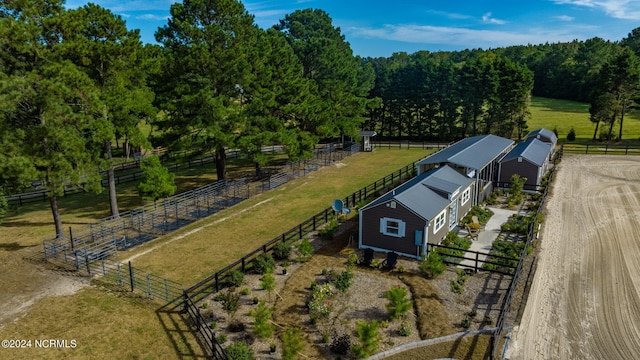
(74,82)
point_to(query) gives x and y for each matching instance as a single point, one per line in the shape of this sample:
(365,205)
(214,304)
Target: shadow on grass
(182,337)
(14,246)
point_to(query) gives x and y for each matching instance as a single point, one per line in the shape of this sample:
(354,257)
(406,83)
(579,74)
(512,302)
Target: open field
(563,115)
(584,302)
(118,323)
(209,245)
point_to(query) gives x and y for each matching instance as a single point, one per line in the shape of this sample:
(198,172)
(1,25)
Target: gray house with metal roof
(546,136)
(422,210)
(529,159)
(477,157)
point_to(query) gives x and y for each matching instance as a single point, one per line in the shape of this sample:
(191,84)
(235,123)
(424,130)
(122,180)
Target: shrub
(292,343)
(404,329)
(433,265)
(221,339)
(235,278)
(368,336)
(262,320)
(213,325)
(340,344)
(320,304)
(264,263)
(281,251)
(352,260)
(343,280)
(571,136)
(305,248)
(236,326)
(466,323)
(245,292)
(398,304)
(239,351)
(456,285)
(230,301)
(329,229)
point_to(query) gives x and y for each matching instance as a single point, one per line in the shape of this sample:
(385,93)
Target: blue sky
(380,28)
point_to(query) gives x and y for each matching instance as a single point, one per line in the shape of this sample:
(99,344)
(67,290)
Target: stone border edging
(427,342)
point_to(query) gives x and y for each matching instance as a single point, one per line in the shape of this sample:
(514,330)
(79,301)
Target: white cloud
(152,17)
(618,9)
(460,37)
(488,19)
(566,18)
(449,15)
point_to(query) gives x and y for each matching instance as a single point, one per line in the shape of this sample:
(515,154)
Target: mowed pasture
(563,115)
(201,248)
(109,320)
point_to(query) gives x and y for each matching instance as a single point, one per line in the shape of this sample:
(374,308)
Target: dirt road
(585,298)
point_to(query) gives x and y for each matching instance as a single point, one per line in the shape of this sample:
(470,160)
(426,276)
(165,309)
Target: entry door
(453,214)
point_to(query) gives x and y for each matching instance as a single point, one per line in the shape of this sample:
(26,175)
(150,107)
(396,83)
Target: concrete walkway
(487,236)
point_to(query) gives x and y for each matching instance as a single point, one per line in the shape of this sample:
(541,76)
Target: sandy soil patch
(585,299)
(27,278)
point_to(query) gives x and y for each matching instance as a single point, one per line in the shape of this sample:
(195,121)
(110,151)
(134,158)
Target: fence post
(587,149)
(218,281)
(119,275)
(71,239)
(131,276)
(149,291)
(86,260)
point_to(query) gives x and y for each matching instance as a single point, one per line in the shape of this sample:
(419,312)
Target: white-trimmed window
(392,227)
(439,221)
(466,195)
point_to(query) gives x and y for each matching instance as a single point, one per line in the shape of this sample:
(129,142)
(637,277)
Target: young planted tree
(369,338)
(262,320)
(268,283)
(399,304)
(157,182)
(516,185)
(292,343)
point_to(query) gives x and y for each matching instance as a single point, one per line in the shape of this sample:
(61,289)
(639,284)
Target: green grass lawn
(200,249)
(563,115)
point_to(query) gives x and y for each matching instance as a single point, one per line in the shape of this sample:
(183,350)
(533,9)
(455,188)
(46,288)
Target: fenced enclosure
(103,239)
(502,263)
(207,338)
(216,281)
(601,149)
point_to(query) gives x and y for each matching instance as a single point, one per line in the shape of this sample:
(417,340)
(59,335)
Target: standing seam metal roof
(474,152)
(534,150)
(417,195)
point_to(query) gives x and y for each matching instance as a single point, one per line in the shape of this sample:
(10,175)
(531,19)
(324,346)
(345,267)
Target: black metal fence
(476,262)
(216,281)
(207,338)
(128,176)
(506,305)
(605,149)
